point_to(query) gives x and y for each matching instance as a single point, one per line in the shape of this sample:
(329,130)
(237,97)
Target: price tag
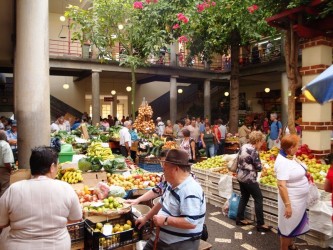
(127,174)
(146,183)
(105,145)
(97,204)
(107,230)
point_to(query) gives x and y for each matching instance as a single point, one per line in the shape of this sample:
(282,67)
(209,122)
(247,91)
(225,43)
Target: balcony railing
(219,63)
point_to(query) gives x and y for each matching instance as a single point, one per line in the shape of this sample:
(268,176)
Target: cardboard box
(19,175)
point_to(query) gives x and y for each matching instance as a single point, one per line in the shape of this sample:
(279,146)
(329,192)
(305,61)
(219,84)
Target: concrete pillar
(114,107)
(95,101)
(207,99)
(316,118)
(31,77)
(173,54)
(173,98)
(284,98)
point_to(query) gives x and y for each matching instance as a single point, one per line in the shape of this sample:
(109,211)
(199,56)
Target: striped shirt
(187,200)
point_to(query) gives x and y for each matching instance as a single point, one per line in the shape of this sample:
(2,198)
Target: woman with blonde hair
(249,165)
(293,188)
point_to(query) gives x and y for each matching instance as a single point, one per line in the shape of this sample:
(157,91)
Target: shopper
(293,188)
(217,133)
(160,126)
(249,165)
(275,132)
(223,130)
(6,159)
(194,130)
(59,124)
(12,138)
(243,133)
(168,131)
(38,210)
(208,140)
(179,132)
(125,139)
(188,145)
(180,214)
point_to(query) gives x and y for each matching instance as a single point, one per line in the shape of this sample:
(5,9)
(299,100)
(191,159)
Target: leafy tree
(136,26)
(216,27)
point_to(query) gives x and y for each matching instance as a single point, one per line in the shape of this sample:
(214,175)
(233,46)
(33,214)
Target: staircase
(59,107)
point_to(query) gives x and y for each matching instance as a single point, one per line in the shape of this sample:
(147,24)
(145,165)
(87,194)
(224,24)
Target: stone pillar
(173,98)
(95,101)
(173,54)
(316,119)
(284,98)
(114,107)
(31,77)
(207,99)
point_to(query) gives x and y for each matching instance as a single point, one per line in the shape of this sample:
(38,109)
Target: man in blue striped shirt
(180,214)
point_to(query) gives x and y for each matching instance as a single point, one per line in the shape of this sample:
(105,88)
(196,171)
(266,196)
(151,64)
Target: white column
(173,53)
(31,77)
(284,98)
(114,107)
(96,106)
(173,99)
(207,99)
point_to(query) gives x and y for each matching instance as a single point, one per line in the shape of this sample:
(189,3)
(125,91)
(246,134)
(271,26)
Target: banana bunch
(96,149)
(71,175)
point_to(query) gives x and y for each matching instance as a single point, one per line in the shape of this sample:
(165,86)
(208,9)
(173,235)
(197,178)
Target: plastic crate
(149,160)
(98,241)
(269,192)
(76,231)
(151,167)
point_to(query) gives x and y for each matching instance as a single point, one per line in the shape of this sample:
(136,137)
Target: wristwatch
(166,221)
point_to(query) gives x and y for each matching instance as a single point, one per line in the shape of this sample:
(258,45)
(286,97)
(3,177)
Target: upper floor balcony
(250,55)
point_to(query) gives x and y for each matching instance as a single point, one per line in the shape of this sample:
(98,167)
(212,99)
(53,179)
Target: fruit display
(97,150)
(222,170)
(69,175)
(213,162)
(144,123)
(135,181)
(116,228)
(268,176)
(170,145)
(106,206)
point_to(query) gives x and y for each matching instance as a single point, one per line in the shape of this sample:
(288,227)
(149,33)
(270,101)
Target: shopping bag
(313,195)
(233,206)
(225,186)
(234,165)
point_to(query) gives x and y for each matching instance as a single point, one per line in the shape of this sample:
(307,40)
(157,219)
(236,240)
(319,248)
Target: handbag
(234,165)
(233,206)
(313,195)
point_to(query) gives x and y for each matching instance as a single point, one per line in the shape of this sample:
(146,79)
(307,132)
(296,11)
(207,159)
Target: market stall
(218,184)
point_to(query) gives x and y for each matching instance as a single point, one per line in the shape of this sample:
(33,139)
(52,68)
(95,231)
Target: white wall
(151,91)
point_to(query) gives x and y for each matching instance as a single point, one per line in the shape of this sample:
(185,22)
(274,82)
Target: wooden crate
(271,220)
(269,192)
(317,239)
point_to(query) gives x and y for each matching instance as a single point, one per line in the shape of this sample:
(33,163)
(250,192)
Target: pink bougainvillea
(182,17)
(252,8)
(176,26)
(182,39)
(138,5)
(206,4)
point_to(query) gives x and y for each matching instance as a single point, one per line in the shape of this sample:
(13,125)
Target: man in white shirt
(160,126)
(6,158)
(59,124)
(125,139)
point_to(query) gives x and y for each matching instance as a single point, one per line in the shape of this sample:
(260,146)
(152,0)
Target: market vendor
(184,199)
(125,139)
(38,210)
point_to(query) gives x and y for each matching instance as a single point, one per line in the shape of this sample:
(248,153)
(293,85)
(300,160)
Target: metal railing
(221,63)
(65,48)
